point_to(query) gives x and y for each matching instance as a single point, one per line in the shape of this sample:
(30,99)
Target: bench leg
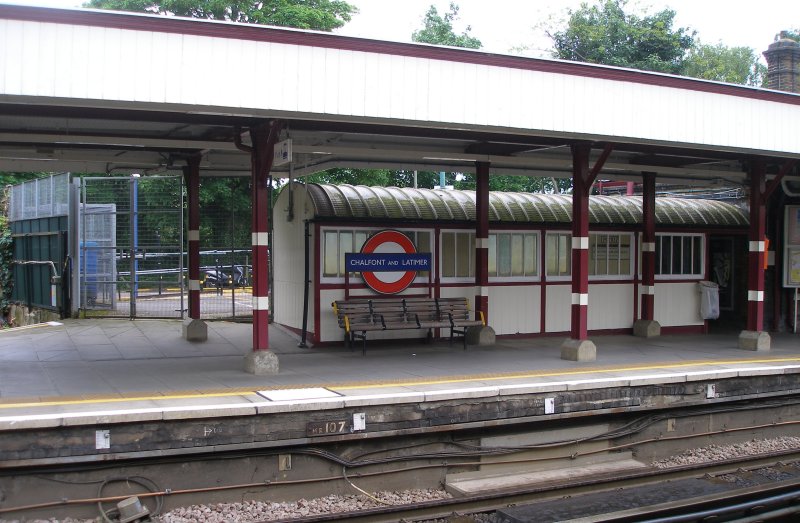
(364,344)
(462,333)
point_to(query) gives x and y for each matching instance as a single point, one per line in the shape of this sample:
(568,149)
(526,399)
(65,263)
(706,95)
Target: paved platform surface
(82,366)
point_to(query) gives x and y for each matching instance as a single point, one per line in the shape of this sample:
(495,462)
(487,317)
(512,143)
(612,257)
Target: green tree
(322,15)
(6,269)
(735,65)
(7,178)
(439,30)
(381,177)
(604,33)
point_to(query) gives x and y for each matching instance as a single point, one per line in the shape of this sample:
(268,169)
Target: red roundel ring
(374,242)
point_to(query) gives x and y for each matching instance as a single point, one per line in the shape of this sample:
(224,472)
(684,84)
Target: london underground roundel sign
(388,262)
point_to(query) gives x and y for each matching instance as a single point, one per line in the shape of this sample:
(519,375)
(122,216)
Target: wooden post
(578,347)
(482,240)
(263,137)
(754,338)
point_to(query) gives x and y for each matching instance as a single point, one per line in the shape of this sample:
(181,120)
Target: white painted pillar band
(194,285)
(755,295)
(580,242)
(648,246)
(481,243)
(648,289)
(260,303)
(580,298)
(193,236)
(260,239)
(757,246)
(481,291)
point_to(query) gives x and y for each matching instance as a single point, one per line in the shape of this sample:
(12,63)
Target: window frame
(631,260)
(471,257)
(681,276)
(340,279)
(537,255)
(558,277)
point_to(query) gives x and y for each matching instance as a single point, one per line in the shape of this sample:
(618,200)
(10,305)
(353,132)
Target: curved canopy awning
(393,203)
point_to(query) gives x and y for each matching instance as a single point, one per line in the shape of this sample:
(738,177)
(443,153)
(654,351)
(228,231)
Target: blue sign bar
(385,262)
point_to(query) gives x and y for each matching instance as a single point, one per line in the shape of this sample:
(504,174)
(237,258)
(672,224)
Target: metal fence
(38,212)
(131,247)
(128,251)
(40,198)
(225,249)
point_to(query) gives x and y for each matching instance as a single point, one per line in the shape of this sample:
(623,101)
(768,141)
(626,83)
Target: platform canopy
(105,92)
(397,204)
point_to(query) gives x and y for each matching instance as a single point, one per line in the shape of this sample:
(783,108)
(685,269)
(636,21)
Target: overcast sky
(504,24)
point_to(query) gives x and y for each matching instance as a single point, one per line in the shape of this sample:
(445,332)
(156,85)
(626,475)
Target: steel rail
(499,499)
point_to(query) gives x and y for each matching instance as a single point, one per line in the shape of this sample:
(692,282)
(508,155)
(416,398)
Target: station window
(338,242)
(610,254)
(679,255)
(558,252)
(513,255)
(458,254)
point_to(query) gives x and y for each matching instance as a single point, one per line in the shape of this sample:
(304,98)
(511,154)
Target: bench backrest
(400,310)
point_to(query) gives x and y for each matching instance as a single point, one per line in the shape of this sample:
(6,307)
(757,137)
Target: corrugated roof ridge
(550,207)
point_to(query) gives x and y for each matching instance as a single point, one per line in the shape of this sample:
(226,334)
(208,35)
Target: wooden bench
(359,316)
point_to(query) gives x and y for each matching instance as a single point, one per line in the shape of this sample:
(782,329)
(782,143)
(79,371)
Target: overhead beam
(600,162)
(59,139)
(773,184)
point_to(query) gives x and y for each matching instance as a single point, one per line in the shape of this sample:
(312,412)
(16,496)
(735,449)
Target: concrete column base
(195,330)
(646,328)
(483,336)
(261,362)
(578,350)
(755,341)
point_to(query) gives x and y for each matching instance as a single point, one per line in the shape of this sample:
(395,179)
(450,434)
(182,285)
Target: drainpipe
(306,283)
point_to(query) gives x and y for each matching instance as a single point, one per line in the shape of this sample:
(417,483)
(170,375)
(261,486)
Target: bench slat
(361,315)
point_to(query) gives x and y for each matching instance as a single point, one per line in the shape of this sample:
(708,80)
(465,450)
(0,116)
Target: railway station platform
(135,394)
(87,365)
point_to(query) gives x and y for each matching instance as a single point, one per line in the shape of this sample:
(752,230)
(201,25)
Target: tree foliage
(735,65)
(439,30)
(605,33)
(322,15)
(381,177)
(7,178)
(6,269)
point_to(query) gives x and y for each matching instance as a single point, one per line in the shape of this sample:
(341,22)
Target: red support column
(754,338)
(648,246)
(482,241)
(191,174)
(580,241)
(263,138)
(578,347)
(646,326)
(194,329)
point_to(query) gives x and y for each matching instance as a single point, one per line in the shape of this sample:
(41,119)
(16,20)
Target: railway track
(774,499)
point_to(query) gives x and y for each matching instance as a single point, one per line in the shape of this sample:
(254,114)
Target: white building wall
(515,309)
(558,312)
(288,257)
(677,304)
(105,66)
(610,306)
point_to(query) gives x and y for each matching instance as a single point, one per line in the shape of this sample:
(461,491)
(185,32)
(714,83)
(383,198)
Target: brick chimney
(783,64)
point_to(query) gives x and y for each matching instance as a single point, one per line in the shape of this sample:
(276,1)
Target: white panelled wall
(105,66)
